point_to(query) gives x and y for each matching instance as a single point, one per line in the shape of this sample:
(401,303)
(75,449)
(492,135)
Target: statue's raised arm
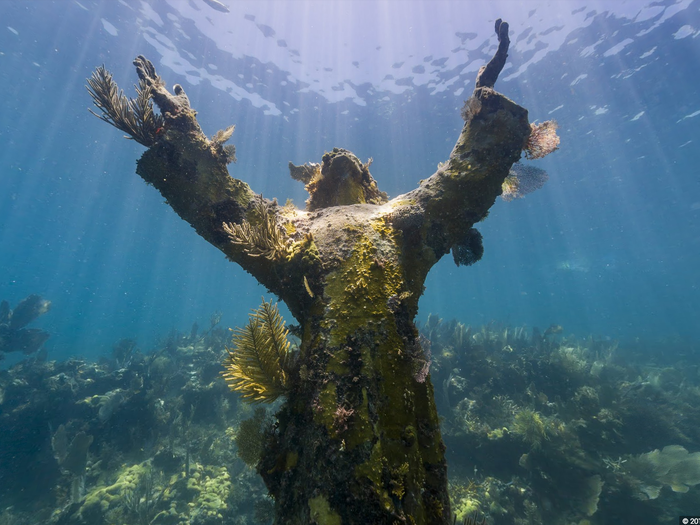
(358,438)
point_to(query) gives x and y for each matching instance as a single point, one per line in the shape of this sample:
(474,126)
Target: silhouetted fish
(215,4)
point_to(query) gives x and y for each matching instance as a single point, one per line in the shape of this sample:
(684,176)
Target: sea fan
(522,180)
(542,141)
(266,239)
(135,117)
(257,364)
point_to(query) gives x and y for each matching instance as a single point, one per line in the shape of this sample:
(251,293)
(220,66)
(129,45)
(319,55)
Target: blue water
(610,246)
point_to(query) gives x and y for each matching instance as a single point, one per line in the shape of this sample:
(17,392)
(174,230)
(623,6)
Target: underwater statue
(357,439)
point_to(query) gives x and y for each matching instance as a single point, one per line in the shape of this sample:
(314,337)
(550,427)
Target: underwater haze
(609,246)
(556,381)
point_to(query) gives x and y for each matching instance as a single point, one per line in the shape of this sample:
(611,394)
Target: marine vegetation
(135,117)
(265,238)
(544,428)
(357,438)
(543,140)
(522,180)
(152,439)
(249,437)
(539,429)
(258,365)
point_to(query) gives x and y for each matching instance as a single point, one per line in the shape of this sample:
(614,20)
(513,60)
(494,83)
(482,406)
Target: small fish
(215,4)
(553,330)
(582,266)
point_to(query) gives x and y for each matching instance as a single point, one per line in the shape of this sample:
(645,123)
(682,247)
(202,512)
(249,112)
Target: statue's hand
(146,71)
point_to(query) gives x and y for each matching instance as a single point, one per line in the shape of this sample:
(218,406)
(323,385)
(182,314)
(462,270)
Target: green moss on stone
(361,287)
(321,512)
(328,401)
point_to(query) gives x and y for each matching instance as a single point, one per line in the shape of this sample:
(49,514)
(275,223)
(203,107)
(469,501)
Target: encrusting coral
(357,438)
(140,495)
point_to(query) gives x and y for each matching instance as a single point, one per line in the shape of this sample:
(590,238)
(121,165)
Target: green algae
(322,513)
(139,495)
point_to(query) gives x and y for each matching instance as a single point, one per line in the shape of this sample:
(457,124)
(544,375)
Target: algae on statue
(357,439)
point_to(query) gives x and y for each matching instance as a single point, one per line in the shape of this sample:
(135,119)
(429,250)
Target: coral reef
(539,427)
(218,144)
(673,466)
(529,426)
(143,496)
(543,428)
(162,452)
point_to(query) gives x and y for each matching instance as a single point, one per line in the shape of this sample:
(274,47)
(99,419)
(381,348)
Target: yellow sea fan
(257,364)
(265,239)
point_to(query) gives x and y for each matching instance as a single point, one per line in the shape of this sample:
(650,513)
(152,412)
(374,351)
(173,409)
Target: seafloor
(540,428)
